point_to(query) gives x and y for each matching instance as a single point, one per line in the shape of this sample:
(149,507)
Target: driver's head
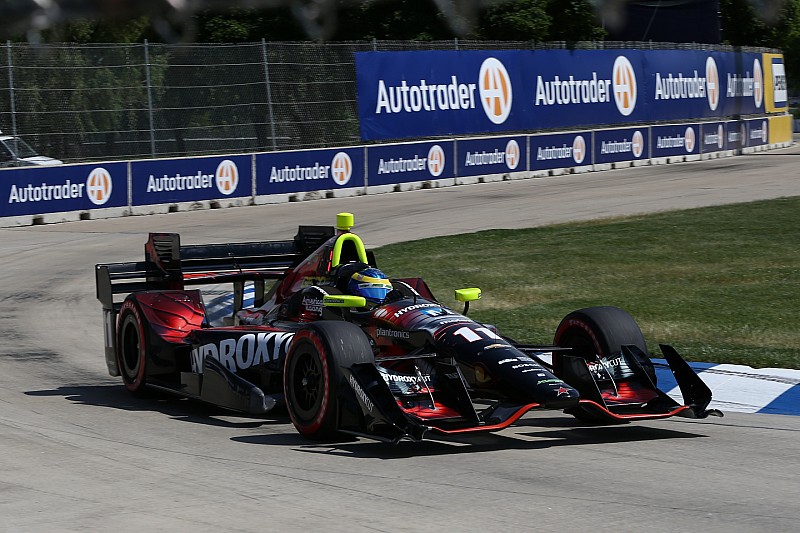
(370,283)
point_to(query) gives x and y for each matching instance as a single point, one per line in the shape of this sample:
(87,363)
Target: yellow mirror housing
(468,295)
(345,221)
(343,300)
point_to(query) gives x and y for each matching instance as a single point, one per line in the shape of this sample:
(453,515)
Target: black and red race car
(394,367)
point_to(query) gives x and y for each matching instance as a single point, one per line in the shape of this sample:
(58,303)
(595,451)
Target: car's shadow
(549,432)
(182,409)
(535,432)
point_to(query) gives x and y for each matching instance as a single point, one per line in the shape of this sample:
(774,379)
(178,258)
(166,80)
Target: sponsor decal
(712,83)
(404,378)
(779,87)
(690,139)
(341,168)
(748,85)
(495,90)
(436,160)
(405,310)
(680,87)
(45,192)
(579,149)
(484,158)
(227,177)
(393,333)
(513,154)
(243,352)
(312,305)
(362,396)
(571,91)
(624,85)
(758,83)
(393,166)
(637,146)
(98,186)
(425,96)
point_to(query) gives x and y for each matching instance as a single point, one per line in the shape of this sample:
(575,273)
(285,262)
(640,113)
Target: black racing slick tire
(599,331)
(312,375)
(132,347)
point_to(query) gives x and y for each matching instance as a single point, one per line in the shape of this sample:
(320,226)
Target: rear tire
(132,347)
(313,378)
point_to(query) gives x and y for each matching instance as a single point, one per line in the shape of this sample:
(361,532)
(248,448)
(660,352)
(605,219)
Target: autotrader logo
(98,186)
(579,149)
(758,83)
(624,79)
(227,177)
(436,160)
(712,83)
(689,139)
(637,146)
(513,154)
(495,90)
(341,168)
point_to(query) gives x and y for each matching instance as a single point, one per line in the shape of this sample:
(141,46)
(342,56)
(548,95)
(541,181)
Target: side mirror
(467,296)
(343,300)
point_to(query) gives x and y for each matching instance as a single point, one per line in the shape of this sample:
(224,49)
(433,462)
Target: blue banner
(713,137)
(162,181)
(401,163)
(309,170)
(491,155)
(735,135)
(38,190)
(612,146)
(561,150)
(677,140)
(433,93)
(757,132)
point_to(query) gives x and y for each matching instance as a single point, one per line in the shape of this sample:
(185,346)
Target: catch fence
(126,101)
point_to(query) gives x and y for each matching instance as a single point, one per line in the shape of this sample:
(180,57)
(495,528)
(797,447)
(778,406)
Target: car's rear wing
(168,265)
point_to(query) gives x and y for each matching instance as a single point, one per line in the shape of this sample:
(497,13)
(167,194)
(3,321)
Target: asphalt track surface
(78,453)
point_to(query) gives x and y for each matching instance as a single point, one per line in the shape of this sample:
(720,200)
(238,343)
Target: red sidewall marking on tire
(586,328)
(323,408)
(142,355)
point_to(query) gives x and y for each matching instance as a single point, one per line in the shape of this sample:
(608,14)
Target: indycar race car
(348,350)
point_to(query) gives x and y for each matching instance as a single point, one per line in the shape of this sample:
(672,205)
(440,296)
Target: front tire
(132,347)
(598,331)
(313,378)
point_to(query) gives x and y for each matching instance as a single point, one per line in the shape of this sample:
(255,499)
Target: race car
(348,350)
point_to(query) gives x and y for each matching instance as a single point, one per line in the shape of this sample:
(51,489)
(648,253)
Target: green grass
(721,284)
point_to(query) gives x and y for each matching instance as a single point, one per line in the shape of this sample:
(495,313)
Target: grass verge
(721,284)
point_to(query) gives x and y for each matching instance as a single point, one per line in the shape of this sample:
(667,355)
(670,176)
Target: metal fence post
(12,101)
(269,93)
(149,98)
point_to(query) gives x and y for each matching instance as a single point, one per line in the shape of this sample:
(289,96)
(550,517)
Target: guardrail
(36,195)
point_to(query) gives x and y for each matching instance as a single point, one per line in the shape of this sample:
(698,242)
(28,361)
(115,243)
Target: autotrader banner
(430,93)
(309,170)
(54,189)
(162,181)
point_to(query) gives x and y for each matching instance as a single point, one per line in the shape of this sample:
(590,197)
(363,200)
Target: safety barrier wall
(101,190)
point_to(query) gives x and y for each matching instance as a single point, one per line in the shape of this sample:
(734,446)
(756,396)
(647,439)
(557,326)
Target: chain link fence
(127,101)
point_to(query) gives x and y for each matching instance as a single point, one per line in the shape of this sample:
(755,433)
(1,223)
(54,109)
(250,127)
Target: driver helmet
(370,283)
